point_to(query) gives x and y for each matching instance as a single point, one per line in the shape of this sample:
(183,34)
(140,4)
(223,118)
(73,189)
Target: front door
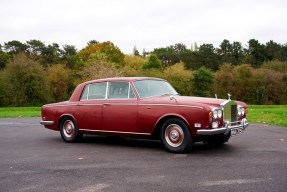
(119,111)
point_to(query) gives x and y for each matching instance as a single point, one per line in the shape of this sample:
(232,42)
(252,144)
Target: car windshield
(151,88)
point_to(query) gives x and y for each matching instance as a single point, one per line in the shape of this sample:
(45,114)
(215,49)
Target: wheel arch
(161,120)
(65,116)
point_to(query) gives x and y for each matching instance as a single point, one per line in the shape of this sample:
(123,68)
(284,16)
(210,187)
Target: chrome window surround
(152,95)
(106,94)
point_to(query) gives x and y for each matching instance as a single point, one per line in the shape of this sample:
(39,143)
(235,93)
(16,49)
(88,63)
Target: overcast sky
(145,24)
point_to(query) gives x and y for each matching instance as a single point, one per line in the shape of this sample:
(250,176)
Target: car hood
(188,100)
(203,100)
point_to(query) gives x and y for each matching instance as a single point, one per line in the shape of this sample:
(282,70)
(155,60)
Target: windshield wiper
(168,94)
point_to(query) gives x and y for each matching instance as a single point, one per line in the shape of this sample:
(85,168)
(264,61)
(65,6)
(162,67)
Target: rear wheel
(69,130)
(175,136)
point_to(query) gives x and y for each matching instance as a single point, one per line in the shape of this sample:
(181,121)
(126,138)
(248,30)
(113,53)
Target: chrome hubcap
(69,128)
(174,135)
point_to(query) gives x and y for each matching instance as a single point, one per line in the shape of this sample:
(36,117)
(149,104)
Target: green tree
(237,53)
(153,63)
(112,52)
(15,47)
(255,53)
(166,56)
(4,57)
(136,52)
(60,81)
(230,53)
(283,53)
(224,81)
(97,70)
(134,62)
(202,82)
(272,50)
(35,47)
(24,81)
(179,78)
(51,54)
(205,56)
(172,54)
(92,42)
(69,55)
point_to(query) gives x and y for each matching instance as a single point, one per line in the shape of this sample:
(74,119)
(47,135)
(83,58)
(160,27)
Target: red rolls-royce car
(145,108)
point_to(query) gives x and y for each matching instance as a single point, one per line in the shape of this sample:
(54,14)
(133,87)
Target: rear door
(89,108)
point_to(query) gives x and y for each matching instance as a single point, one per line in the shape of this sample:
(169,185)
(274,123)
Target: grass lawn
(20,112)
(268,114)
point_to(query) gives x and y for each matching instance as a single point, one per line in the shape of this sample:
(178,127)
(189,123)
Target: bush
(153,63)
(23,82)
(99,69)
(60,82)
(254,86)
(202,82)
(134,62)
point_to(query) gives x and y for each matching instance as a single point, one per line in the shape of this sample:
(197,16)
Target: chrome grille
(230,110)
(233,113)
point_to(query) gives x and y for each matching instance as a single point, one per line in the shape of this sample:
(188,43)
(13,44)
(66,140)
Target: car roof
(121,79)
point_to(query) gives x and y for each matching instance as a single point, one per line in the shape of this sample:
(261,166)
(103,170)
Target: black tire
(175,136)
(220,140)
(69,130)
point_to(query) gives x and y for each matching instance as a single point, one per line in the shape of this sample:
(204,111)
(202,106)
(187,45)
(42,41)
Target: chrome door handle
(106,104)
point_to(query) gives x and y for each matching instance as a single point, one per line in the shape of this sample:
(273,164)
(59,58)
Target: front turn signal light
(210,116)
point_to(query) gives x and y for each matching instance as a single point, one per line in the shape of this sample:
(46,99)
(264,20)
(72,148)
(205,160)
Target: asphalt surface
(33,158)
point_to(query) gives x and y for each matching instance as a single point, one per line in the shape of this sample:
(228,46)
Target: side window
(118,90)
(85,93)
(97,91)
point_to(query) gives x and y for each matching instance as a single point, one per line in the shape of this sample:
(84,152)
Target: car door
(89,108)
(119,112)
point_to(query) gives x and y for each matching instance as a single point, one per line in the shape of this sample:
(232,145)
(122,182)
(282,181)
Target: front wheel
(175,136)
(220,139)
(69,131)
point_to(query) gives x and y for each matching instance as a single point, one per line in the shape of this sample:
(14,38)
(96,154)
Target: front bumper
(235,129)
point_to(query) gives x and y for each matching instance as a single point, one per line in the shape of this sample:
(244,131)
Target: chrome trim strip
(106,131)
(129,91)
(99,104)
(107,90)
(123,104)
(170,105)
(94,104)
(88,91)
(47,122)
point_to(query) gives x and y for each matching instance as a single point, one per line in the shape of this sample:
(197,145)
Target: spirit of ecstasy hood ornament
(229,96)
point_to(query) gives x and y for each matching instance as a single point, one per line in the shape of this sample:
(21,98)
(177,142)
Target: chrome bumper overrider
(235,129)
(47,122)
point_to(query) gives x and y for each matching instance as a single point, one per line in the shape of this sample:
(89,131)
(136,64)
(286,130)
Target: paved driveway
(33,158)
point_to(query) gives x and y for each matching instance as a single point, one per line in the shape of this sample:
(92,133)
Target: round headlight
(240,111)
(219,113)
(215,114)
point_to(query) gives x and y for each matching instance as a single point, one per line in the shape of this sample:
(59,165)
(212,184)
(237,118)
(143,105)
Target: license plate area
(236,131)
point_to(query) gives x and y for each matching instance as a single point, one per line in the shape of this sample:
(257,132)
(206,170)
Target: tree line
(33,73)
